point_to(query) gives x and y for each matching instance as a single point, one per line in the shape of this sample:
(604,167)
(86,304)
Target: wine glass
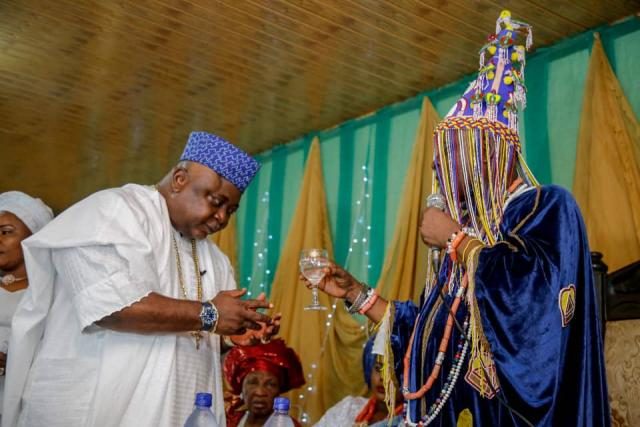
(312,265)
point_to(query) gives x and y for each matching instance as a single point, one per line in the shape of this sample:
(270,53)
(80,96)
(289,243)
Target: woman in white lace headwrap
(20,216)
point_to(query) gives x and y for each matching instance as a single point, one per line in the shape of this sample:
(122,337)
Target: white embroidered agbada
(8,303)
(343,413)
(98,257)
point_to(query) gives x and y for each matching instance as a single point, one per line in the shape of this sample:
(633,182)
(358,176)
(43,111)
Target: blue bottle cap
(281,404)
(204,399)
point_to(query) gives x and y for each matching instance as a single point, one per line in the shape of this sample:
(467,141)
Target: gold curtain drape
(227,241)
(332,363)
(404,269)
(607,177)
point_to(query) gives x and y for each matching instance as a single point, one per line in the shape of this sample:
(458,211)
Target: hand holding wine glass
(339,283)
(336,282)
(312,266)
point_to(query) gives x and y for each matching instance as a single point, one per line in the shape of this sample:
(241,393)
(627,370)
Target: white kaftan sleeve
(343,413)
(102,280)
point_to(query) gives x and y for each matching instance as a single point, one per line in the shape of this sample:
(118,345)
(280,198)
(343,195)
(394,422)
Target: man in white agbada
(121,323)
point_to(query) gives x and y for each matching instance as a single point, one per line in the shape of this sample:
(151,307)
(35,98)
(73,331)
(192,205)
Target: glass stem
(314,296)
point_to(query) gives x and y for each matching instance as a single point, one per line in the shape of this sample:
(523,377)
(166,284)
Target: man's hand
(264,335)
(236,316)
(337,282)
(437,227)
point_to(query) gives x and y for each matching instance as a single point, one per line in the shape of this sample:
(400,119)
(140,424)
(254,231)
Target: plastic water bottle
(280,416)
(202,415)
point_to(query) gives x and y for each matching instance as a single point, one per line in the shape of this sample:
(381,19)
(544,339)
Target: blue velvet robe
(552,374)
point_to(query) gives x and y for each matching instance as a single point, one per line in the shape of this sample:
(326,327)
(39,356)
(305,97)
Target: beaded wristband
(369,294)
(357,304)
(452,246)
(451,239)
(469,231)
(367,297)
(369,302)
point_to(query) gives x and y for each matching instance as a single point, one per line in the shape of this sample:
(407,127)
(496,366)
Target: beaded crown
(477,146)
(498,93)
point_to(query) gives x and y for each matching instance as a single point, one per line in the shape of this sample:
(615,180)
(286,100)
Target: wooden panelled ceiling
(98,93)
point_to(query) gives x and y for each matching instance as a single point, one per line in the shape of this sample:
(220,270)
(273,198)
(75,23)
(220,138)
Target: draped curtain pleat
(404,268)
(607,179)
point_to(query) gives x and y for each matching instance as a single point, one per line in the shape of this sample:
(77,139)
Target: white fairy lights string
(261,275)
(358,250)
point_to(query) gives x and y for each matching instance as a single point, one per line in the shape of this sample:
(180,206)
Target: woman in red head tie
(257,375)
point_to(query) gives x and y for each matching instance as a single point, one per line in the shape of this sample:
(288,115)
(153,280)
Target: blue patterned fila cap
(222,157)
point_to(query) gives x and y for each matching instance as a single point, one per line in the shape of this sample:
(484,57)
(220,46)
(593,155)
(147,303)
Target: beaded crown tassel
(477,145)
